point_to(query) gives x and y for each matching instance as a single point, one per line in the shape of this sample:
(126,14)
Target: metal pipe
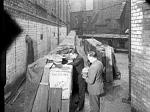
(129,57)
(58,23)
(129,1)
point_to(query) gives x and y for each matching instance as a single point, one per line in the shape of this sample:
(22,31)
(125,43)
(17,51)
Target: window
(41,36)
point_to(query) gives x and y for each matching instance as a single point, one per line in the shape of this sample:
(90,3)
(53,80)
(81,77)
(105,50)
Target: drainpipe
(129,1)
(58,23)
(129,57)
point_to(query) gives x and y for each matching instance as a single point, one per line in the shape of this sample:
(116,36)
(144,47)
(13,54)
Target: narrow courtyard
(37,67)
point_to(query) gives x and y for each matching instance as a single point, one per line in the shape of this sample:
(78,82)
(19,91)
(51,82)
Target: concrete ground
(17,103)
(111,102)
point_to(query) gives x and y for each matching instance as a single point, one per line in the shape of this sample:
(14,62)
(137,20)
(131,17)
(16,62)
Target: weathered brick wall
(140,55)
(33,26)
(41,46)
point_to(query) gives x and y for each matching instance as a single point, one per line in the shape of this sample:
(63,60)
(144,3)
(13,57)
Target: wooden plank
(65,106)
(55,101)
(41,100)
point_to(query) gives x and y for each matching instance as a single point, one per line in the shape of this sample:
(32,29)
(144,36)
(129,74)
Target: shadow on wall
(9,25)
(30,50)
(19,79)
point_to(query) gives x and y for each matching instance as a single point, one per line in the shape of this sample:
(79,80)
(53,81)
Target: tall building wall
(100,4)
(77,5)
(35,20)
(140,55)
(89,4)
(107,16)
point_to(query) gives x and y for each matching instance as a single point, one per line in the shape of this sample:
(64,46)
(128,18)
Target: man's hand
(85,72)
(69,63)
(84,75)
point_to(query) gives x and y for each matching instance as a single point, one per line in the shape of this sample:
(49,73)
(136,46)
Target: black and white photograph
(75,56)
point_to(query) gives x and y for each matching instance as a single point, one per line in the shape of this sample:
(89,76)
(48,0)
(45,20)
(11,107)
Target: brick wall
(140,55)
(33,26)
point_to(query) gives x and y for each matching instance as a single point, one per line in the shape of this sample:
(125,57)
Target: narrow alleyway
(56,27)
(112,101)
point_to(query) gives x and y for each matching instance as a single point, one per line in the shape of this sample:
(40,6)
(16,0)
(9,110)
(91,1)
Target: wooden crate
(62,78)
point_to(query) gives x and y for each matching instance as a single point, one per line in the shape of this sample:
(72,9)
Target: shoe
(77,110)
(118,76)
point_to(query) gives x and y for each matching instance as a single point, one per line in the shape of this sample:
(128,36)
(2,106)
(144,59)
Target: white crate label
(61,79)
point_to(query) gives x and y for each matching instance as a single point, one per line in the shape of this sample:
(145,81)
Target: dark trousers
(81,93)
(94,103)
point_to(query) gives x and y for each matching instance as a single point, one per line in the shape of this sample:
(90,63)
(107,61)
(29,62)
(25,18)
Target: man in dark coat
(78,64)
(94,81)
